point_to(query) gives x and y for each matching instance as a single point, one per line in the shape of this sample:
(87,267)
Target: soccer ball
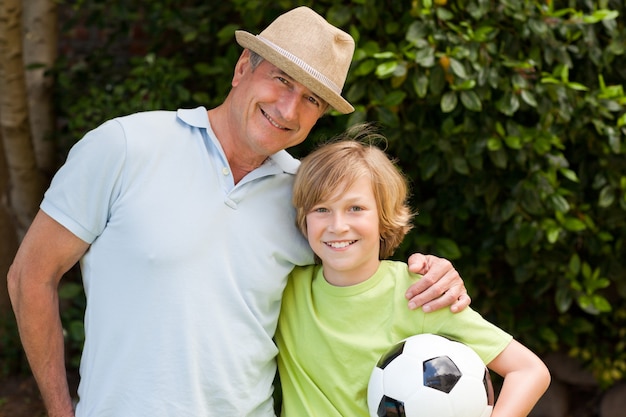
(428,375)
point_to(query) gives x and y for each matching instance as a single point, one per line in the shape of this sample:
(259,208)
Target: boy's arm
(46,253)
(440,285)
(526,378)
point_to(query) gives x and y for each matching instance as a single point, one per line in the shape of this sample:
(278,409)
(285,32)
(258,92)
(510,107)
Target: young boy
(337,318)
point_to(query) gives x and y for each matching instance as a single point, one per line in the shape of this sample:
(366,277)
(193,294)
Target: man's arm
(46,253)
(440,286)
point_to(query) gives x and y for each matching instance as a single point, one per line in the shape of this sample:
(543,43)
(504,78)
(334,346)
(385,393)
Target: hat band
(309,69)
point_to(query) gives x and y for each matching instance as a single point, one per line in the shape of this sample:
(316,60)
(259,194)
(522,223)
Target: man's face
(274,111)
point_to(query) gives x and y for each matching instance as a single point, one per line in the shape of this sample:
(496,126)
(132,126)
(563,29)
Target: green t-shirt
(330,338)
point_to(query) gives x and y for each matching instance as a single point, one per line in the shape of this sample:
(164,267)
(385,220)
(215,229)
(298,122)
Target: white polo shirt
(185,271)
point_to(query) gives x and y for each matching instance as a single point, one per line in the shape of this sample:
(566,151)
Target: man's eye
(314,100)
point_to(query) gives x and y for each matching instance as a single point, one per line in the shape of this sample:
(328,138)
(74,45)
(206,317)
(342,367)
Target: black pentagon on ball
(390,407)
(441,374)
(391,354)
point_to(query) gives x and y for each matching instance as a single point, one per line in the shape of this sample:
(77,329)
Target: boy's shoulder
(398,268)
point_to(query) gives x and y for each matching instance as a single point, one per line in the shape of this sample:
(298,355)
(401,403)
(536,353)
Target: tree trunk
(40,53)
(8,237)
(26,181)
(21,182)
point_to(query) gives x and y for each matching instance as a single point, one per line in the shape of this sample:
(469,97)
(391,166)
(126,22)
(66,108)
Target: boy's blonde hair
(335,166)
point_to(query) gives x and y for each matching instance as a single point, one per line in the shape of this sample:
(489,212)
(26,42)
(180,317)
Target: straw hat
(309,49)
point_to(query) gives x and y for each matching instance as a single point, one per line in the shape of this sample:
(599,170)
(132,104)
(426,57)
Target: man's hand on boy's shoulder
(440,286)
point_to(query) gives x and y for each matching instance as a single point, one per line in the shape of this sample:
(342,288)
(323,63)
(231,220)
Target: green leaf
(460,165)
(599,15)
(365,67)
(529,98)
(563,299)
(607,196)
(594,304)
(577,86)
(394,98)
(483,33)
(457,68)
(339,15)
(386,69)
(449,101)
(499,158)
(471,101)
(425,57)
(444,14)
(559,203)
(384,55)
(70,290)
(574,264)
(493,144)
(513,142)
(76,330)
(387,117)
(447,248)
(552,234)
(573,225)
(417,32)
(429,166)
(500,129)
(420,85)
(358,116)
(465,85)
(357,91)
(601,304)
(508,104)
(227,32)
(569,174)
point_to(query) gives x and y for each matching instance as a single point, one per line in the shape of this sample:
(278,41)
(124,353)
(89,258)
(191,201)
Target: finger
(461,303)
(417,263)
(423,285)
(438,275)
(447,299)
(426,291)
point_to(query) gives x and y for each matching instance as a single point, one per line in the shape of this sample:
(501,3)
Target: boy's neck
(352,277)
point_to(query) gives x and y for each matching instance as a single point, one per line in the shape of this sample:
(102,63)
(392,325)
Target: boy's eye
(356,208)
(320,210)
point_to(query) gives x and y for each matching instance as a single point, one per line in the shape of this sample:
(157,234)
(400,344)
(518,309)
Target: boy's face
(343,231)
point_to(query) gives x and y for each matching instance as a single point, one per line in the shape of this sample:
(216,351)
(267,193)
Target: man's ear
(242,65)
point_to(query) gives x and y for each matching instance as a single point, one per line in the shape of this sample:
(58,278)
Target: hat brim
(250,41)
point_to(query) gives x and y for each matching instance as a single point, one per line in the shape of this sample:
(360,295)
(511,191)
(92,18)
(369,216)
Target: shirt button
(225,171)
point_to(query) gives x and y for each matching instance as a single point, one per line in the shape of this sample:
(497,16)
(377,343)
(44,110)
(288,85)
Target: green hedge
(508,117)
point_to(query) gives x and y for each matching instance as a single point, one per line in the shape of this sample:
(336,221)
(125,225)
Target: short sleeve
(83,191)
(469,327)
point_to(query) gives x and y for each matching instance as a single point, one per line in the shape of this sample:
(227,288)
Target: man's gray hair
(255,59)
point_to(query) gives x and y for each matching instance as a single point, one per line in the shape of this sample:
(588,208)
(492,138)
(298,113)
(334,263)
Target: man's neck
(240,160)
